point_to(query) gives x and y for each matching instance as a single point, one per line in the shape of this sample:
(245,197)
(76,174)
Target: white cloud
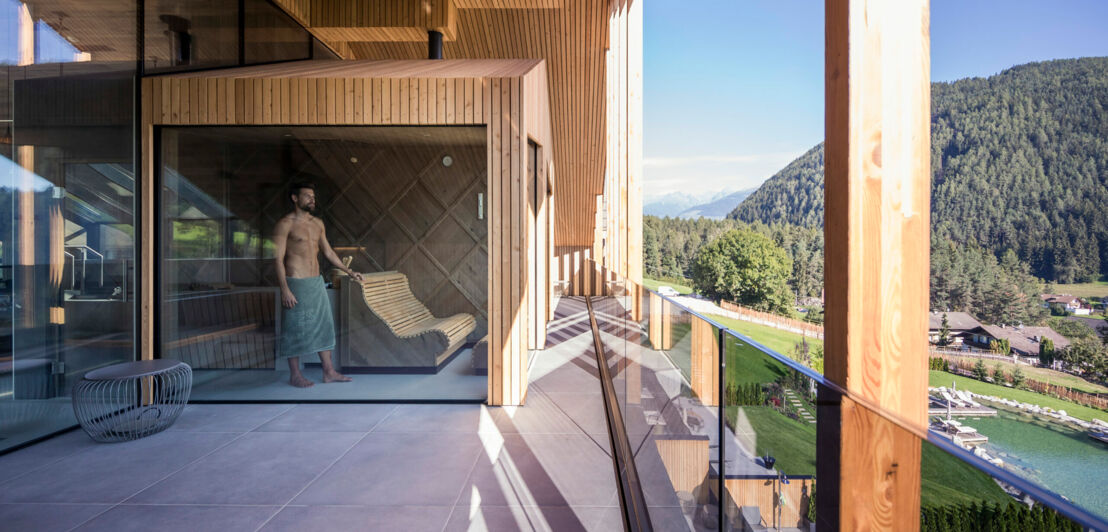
(707,174)
(710,159)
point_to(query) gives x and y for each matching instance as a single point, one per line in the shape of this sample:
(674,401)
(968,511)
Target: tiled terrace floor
(546,466)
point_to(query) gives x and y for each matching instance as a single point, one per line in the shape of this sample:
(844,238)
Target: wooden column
(877,264)
(704,354)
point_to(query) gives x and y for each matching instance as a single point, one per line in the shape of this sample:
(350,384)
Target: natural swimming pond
(1065,461)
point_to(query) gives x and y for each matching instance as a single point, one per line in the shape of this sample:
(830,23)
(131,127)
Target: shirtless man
(306,322)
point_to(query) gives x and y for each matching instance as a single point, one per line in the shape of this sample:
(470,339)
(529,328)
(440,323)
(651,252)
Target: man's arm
(280,240)
(333,257)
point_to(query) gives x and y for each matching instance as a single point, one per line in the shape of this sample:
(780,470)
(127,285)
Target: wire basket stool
(132,400)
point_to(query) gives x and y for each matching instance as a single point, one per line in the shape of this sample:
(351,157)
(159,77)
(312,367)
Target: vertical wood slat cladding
(704,361)
(571,36)
(877,205)
(497,94)
(594,54)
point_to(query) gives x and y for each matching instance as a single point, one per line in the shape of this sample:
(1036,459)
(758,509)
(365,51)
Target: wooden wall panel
(705,361)
(571,35)
(686,462)
(877,237)
(763,493)
(494,95)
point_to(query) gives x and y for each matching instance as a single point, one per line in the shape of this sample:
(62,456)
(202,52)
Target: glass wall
(400,204)
(67,187)
(204,34)
(66,205)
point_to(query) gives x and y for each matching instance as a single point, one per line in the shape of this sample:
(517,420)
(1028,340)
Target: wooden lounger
(481,356)
(386,329)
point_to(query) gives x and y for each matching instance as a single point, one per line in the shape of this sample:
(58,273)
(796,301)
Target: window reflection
(66,205)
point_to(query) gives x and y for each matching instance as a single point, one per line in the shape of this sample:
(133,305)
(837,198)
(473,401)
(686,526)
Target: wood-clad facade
(507,97)
(593,53)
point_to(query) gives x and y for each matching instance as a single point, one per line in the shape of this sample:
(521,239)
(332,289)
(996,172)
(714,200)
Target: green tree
(998,374)
(1046,351)
(944,332)
(979,371)
(745,267)
(1018,378)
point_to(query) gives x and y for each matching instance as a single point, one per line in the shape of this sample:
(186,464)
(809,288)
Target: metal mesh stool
(132,400)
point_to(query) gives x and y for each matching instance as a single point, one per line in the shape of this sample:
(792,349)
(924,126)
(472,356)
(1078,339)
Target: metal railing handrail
(1035,491)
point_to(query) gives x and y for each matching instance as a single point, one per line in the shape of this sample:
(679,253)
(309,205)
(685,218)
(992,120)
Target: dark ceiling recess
(434,44)
(182,41)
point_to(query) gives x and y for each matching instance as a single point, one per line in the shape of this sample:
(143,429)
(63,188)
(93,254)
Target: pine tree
(944,332)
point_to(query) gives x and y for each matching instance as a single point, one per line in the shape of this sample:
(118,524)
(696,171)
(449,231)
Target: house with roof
(1024,340)
(960,323)
(1072,304)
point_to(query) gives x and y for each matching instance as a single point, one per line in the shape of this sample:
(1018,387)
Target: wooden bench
(224,329)
(386,329)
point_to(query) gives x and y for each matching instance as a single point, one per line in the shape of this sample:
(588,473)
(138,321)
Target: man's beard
(308,208)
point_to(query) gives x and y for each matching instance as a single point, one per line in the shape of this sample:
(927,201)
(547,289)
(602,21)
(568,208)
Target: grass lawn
(775,339)
(946,480)
(942,378)
(1097,289)
(654,284)
(1046,375)
(791,442)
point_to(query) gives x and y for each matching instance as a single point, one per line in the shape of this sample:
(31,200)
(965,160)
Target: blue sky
(732,97)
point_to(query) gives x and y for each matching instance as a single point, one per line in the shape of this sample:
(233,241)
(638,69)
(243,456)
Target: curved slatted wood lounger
(388,329)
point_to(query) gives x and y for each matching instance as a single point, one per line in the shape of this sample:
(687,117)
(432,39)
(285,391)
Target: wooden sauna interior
(385,194)
(496,114)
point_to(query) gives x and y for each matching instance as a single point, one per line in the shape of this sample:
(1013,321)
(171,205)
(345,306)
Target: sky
(733,89)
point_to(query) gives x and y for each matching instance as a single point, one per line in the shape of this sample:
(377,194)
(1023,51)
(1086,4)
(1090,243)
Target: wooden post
(877,264)
(704,354)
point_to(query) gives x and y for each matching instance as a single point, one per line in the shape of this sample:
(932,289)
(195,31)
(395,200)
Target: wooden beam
(877,237)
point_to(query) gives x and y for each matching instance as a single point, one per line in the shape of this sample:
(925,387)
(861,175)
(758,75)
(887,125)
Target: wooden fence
(772,320)
(1092,400)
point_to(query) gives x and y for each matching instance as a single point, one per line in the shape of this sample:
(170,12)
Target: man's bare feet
(301,381)
(334,376)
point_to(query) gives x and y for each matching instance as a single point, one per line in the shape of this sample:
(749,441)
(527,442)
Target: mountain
(671,204)
(1019,162)
(718,208)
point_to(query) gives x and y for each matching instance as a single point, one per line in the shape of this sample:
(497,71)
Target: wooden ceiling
(571,35)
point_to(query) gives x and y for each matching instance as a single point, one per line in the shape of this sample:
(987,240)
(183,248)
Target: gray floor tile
(405,469)
(532,518)
(335,518)
(566,379)
(329,418)
(144,518)
(258,468)
(540,415)
(439,419)
(112,472)
(543,470)
(43,454)
(586,410)
(46,517)
(226,418)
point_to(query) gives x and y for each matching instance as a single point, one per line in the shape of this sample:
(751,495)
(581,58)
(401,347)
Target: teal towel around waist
(307,327)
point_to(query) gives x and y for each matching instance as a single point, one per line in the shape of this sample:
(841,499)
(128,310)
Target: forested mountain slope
(1019,161)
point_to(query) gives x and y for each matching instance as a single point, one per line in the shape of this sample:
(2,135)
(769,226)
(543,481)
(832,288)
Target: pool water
(1064,461)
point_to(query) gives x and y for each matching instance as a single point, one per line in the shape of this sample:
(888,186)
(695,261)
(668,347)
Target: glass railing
(694,394)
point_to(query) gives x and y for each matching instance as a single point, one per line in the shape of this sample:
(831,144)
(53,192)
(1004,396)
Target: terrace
(546,466)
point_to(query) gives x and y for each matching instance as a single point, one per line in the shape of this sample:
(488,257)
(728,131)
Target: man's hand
(287,299)
(356,276)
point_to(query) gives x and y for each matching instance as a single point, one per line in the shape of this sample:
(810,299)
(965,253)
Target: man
(306,322)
